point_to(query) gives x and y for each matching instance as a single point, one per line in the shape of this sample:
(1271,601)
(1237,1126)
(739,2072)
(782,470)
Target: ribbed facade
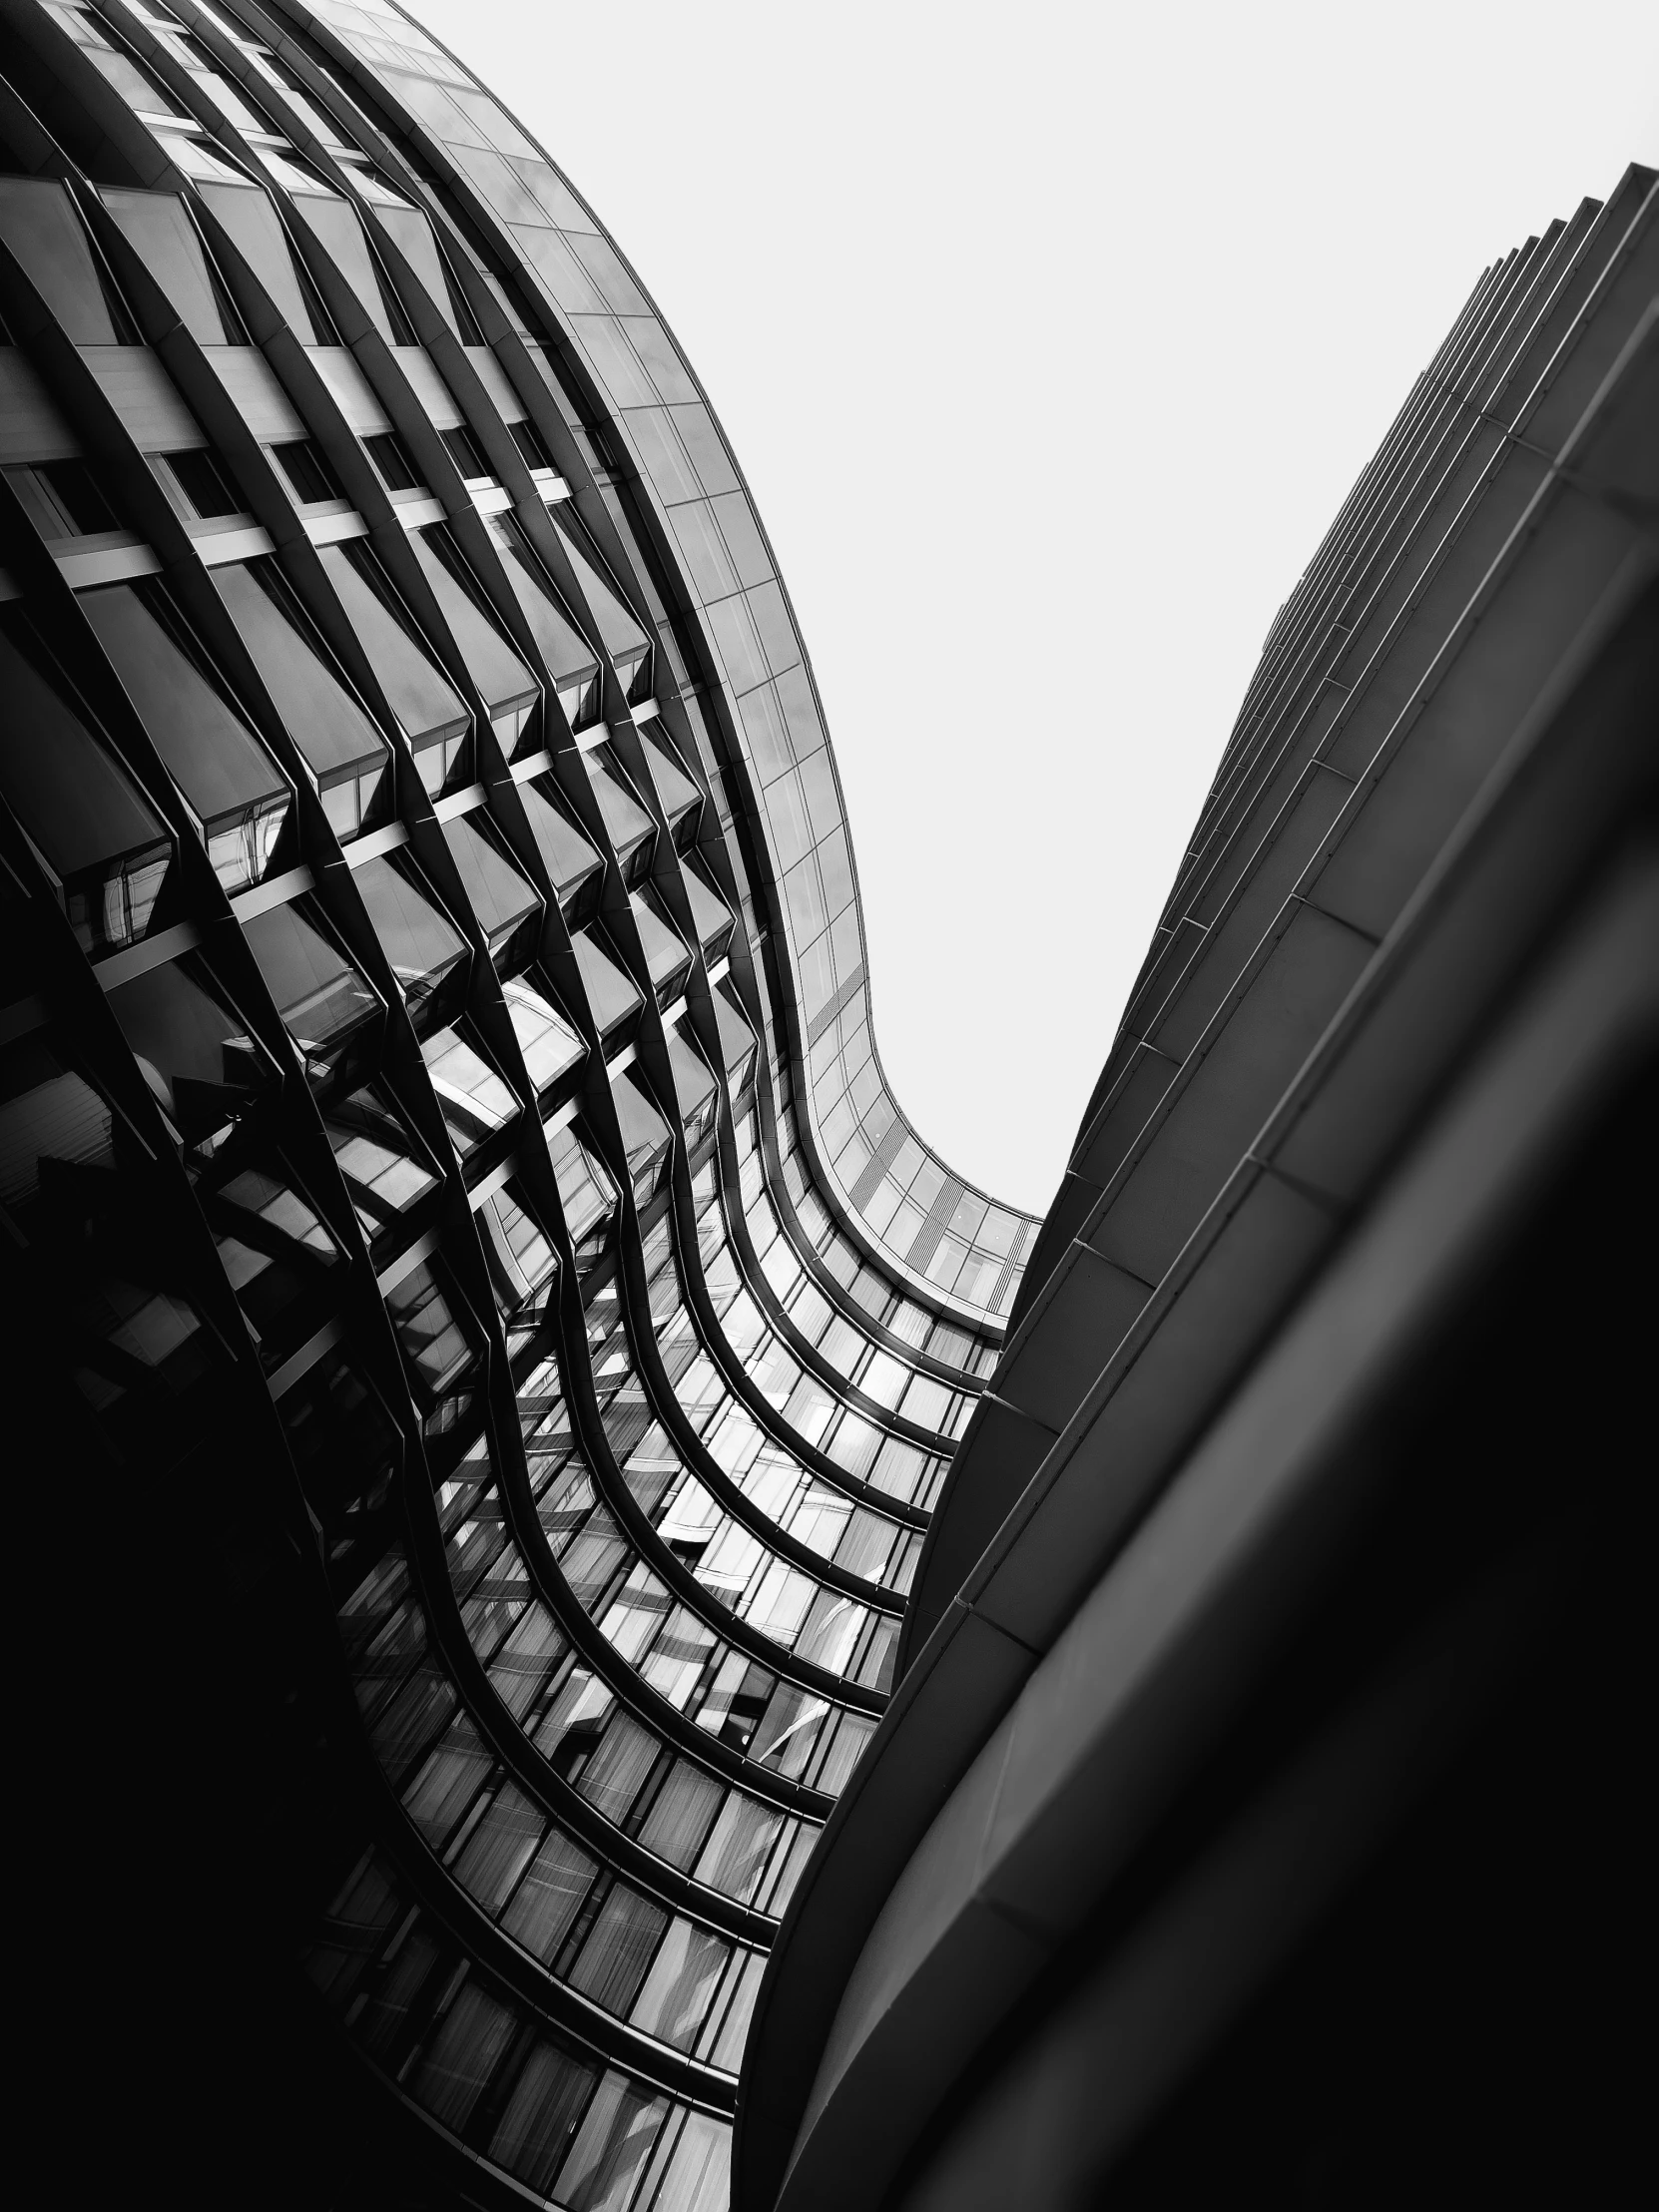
(473,1257)
(1255,1821)
(522,1436)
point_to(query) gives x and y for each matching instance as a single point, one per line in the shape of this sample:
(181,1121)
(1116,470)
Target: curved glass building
(509,1394)
(453,1182)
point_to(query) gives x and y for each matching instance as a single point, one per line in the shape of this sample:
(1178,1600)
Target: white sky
(1049,337)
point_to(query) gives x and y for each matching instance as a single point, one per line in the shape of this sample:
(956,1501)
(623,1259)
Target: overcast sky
(1049,338)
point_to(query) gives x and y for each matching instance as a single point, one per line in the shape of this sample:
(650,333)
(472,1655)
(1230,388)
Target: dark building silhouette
(506,1392)
(1255,1820)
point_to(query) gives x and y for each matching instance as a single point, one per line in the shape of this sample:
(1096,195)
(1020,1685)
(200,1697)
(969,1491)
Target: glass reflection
(421,944)
(388,1173)
(340,744)
(475,1101)
(198,1058)
(327,1007)
(107,851)
(234,787)
(551,1047)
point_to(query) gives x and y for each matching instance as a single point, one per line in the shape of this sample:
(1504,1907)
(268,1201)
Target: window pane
(612,2144)
(550,1895)
(612,1962)
(462,2055)
(680,1988)
(534,2130)
(323,999)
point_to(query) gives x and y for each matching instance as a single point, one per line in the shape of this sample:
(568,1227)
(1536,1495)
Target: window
(198,484)
(106,849)
(506,907)
(421,942)
(667,960)
(520,1263)
(392,457)
(630,828)
(475,1099)
(529,441)
(238,796)
(199,1059)
(463,451)
(619,630)
(311,478)
(585,1190)
(430,710)
(596,452)
(326,1007)
(387,1172)
(436,1349)
(612,997)
(63,499)
(680,796)
(573,867)
(42,228)
(509,690)
(275,1248)
(571,659)
(345,751)
(551,1047)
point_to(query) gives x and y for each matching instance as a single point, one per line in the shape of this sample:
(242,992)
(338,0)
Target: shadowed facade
(1255,1819)
(519,1394)
(508,1340)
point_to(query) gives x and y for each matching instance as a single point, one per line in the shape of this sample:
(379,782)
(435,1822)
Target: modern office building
(509,1339)
(513,1383)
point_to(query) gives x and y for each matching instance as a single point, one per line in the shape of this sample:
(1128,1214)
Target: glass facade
(437,1049)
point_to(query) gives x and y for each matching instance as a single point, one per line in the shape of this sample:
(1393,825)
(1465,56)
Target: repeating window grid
(495,2076)
(505,1624)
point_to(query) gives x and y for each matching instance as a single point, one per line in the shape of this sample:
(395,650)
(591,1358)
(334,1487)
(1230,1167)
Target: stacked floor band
(536,1440)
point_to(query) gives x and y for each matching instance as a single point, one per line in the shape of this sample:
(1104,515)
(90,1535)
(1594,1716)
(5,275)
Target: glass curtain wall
(439,915)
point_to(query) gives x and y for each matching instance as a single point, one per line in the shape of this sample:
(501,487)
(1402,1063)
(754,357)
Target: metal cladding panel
(257,393)
(142,393)
(351,390)
(1298,1366)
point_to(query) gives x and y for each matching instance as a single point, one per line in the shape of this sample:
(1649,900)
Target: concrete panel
(1553,589)
(1108,1141)
(908,2060)
(1276,868)
(965,1681)
(1262,1042)
(1575,373)
(1001,1452)
(1618,450)
(1418,609)
(1098,1486)
(1087,1309)
(1582,781)
(936,1887)
(1163,978)
(1043,2130)
(1230,849)
(1075,1200)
